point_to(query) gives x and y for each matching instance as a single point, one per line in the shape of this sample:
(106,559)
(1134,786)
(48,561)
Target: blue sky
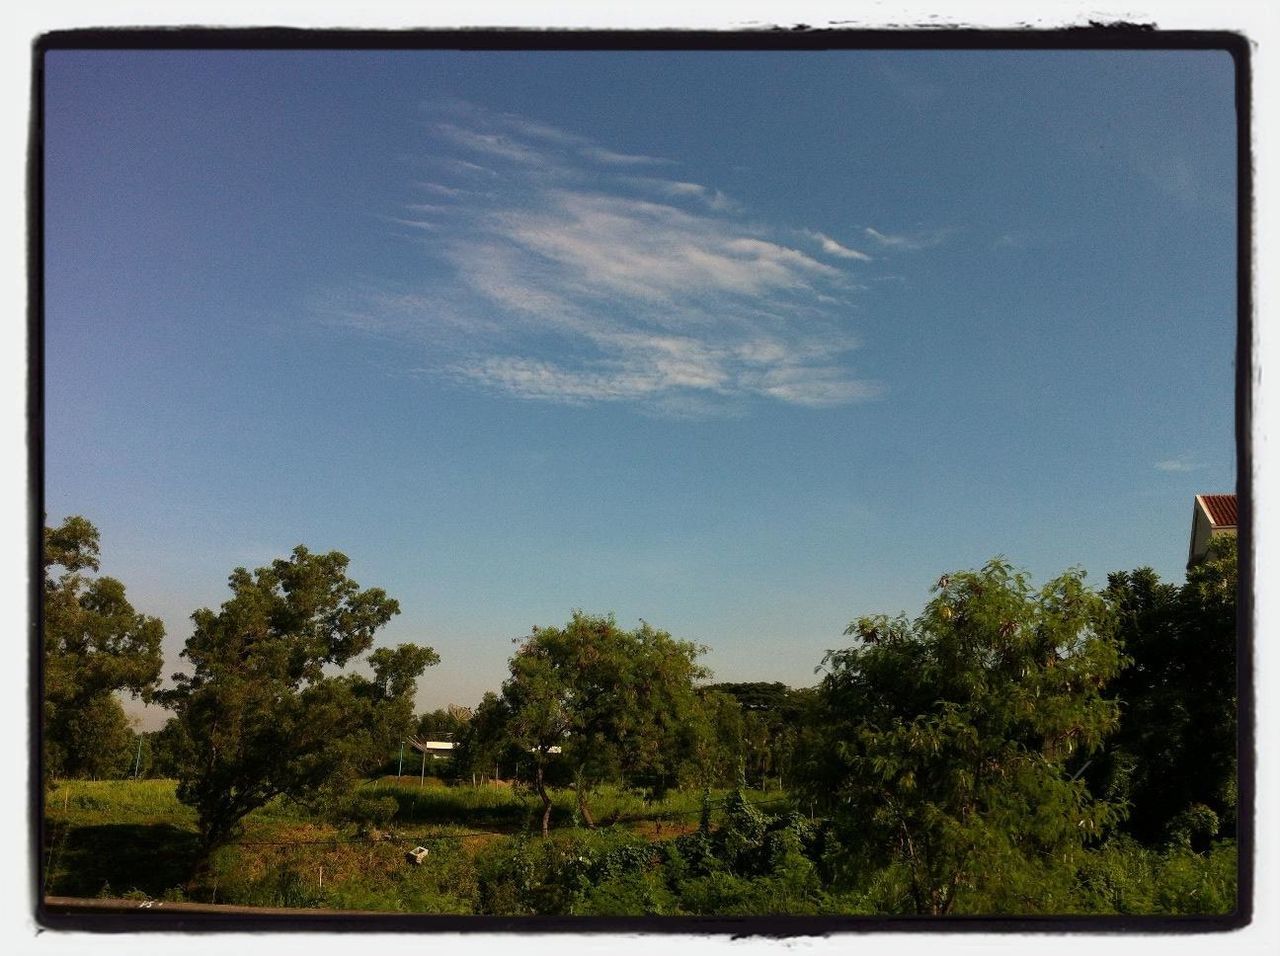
(745,344)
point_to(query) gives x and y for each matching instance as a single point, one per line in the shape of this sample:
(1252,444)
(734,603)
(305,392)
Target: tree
(774,718)
(95,646)
(1175,747)
(486,741)
(718,755)
(947,740)
(604,702)
(449,722)
(167,745)
(396,672)
(259,715)
(97,741)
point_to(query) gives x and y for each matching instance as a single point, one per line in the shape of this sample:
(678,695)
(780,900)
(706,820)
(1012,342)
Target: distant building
(1213,515)
(438,749)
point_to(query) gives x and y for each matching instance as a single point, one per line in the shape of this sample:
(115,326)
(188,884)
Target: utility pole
(400,769)
(137,761)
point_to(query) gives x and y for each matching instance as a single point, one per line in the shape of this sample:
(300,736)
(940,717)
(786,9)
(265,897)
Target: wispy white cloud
(1178,464)
(909,240)
(466,166)
(425,224)
(677,189)
(560,274)
(439,189)
(610,158)
(833,248)
(494,145)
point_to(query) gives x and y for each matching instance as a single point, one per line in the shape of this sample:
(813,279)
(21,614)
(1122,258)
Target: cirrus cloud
(589,282)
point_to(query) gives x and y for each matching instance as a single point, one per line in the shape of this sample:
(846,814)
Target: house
(1213,515)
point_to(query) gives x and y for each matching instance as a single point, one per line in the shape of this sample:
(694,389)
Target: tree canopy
(948,737)
(602,701)
(1175,748)
(95,645)
(260,713)
(774,725)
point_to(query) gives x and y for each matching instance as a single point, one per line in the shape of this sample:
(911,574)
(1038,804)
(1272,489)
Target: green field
(133,839)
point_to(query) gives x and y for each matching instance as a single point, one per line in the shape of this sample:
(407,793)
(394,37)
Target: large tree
(1175,748)
(604,702)
(948,738)
(95,646)
(262,714)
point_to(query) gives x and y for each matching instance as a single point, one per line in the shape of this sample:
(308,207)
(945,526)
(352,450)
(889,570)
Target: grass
(133,837)
(512,808)
(107,837)
(117,801)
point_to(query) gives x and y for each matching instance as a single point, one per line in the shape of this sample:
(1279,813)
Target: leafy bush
(1194,828)
(364,810)
(1125,877)
(754,863)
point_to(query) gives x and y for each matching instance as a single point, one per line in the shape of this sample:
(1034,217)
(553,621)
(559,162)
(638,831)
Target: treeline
(745,733)
(990,745)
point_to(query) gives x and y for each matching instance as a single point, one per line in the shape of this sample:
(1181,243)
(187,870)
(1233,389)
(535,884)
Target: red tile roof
(1221,510)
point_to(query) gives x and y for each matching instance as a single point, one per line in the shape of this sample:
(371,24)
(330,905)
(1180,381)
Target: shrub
(364,810)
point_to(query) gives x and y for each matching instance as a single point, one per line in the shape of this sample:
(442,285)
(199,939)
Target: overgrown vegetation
(946,740)
(95,645)
(259,716)
(754,854)
(1011,750)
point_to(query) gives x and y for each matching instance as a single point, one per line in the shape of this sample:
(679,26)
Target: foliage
(718,757)
(610,872)
(396,671)
(485,742)
(365,811)
(755,858)
(451,722)
(603,702)
(753,863)
(167,746)
(953,764)
(1175,747)
(95,645)
(775,725)
(95,738)
(949,735)
(1124,877)
(260,715)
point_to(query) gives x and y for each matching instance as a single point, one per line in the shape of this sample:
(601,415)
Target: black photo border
(107,917)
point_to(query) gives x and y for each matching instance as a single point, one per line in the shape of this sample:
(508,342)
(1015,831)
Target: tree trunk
(546,800)
(579,788)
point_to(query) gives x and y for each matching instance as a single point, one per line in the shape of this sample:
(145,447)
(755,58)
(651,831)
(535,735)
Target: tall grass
(118,837)
(117,801)
(134,839)
(508,807)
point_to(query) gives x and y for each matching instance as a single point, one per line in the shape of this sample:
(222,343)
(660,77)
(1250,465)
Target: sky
(742,344)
